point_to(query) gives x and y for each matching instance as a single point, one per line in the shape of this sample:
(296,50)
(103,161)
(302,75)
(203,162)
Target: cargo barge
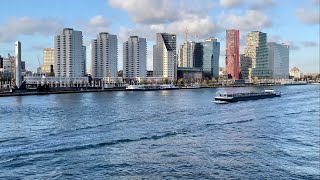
(235,97)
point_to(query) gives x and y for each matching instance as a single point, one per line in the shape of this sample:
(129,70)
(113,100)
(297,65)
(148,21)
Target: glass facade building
(211,53)
(257,50)
(279,60)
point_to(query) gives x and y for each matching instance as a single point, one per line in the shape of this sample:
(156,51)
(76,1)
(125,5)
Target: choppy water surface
(161,134)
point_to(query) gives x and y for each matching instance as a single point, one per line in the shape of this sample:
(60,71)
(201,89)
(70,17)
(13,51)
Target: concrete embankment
(31,92)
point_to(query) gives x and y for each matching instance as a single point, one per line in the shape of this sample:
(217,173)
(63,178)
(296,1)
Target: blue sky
(35,22)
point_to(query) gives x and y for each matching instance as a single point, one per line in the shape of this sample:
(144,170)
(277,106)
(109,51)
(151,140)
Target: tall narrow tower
(232,53)
(104,56)
(135,58)
(18,64)
(70,54)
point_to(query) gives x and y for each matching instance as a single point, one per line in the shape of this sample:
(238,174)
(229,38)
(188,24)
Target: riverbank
(32,92)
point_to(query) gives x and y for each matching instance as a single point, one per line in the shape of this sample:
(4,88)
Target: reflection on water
(161,134)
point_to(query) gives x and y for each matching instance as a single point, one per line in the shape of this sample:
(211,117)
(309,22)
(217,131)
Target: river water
(178,134)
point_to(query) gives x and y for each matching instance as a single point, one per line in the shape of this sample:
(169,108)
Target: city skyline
(36,28)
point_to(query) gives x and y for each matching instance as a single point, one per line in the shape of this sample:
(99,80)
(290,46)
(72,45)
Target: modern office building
(48,61)
(18,76)
(165,57)
(104,56)
(211,53)
(279,60)
(198,54)
(257,50)
(245,64)
(191,55)
(70,54)
(194,74)
(135,58)
(232,53)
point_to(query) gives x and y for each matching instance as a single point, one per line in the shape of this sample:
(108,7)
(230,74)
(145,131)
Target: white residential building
(165,57)
(279,60)
(70,54)
(104,56)
(135,58)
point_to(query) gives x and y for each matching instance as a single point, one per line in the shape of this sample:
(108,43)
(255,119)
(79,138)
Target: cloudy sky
(35,22)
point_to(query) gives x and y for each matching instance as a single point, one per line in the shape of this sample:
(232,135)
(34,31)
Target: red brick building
(232,53)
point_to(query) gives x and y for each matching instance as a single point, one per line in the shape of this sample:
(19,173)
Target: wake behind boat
(235,97)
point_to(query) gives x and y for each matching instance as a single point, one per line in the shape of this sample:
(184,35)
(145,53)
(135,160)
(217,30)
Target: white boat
(168,87)
(135,88)
(193,86)
(150,87)
(294,83)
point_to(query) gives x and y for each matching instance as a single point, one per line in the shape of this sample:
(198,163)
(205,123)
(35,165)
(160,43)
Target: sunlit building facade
(104,56)
(257,51)
(48,60)
(134,58)
(70,54)
(165,56)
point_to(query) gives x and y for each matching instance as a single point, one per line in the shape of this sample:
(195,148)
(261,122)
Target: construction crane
(186,31)
(39,64)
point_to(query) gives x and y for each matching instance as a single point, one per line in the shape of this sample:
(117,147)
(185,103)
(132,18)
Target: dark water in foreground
(161,135)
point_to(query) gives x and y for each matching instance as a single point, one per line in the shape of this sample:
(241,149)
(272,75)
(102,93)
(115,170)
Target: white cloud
(197,27)
(99,21)
(231,3)
(147,11)
(309,43)
(13,27)
(292,45)
(262,4)
(143,31)
(251,20)
(161,11)
(308,16)
(94,25)
(279,40)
